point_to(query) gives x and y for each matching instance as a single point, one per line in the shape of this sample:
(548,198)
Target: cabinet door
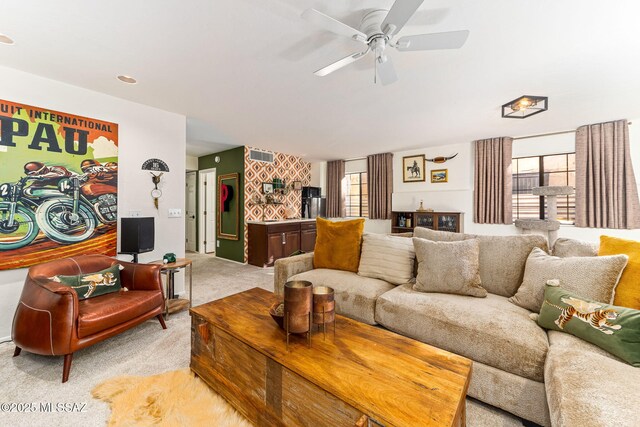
(291,243)
(425,220)
(276,247)
(307,240)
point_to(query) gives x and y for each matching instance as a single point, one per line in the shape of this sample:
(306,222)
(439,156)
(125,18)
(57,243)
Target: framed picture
(439,175)
(228,220)
(413,168)
(297,185)
(267,188)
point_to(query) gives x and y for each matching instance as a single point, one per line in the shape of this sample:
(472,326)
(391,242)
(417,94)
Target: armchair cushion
(91,285)
(107,311)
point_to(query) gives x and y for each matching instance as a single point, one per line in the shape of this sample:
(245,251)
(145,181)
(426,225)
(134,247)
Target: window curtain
(606,190)
(380,185)
(493,183)
(335,198)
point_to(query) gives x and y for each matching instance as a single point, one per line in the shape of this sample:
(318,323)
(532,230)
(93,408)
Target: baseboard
(5,339)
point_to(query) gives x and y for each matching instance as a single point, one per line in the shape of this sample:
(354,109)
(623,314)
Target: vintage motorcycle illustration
(66,208)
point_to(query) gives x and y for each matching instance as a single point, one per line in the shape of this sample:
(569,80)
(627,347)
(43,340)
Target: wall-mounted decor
(158,166)
(58,185)
(439,175)
(228,221)
(413,168)
(525,106)
(297,185)
(267,188)
(441,159)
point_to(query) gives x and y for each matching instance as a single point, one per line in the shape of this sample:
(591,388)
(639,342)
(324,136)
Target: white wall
(191,163)
(319,176)
(144,132)
(457,194)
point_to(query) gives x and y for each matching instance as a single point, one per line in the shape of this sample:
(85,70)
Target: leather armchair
(50,320)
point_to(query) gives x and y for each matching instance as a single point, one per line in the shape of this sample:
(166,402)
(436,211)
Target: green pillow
(93,284)
(612,328)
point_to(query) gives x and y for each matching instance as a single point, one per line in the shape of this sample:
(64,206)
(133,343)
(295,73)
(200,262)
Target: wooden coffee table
(363,376)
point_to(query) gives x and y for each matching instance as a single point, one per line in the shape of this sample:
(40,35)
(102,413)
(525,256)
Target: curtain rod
(550,134)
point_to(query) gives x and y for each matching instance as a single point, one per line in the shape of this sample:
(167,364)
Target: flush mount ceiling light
(127,79)
(4,39)
(525,106)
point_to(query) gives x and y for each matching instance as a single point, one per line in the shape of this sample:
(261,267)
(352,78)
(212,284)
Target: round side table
(170,269)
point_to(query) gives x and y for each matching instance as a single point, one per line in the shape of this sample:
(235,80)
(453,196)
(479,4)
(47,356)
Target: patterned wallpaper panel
(286,167)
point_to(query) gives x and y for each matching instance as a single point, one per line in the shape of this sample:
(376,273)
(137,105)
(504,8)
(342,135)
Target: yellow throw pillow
(338,244)
(628,289)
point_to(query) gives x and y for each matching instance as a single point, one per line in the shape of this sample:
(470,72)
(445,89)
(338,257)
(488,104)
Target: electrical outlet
(175,213)
(134,213)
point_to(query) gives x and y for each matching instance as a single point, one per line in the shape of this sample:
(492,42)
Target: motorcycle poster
(58,185)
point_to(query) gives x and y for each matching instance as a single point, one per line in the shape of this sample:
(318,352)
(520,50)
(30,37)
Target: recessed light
(127,79)
(5,39)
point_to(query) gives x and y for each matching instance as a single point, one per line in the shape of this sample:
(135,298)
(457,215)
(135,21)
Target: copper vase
(324,307)
(298,298)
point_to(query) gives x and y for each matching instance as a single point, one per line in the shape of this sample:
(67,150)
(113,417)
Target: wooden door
(291,243)
(307,240)
(275,243)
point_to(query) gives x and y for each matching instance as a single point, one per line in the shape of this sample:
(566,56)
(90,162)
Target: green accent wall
(230,161)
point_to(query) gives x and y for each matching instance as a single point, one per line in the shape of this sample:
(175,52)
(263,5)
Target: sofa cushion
(489,330)
(612,328)
(355,296)
(628,289)
(502,258)
(438,236)
(448,267)
(91,285)
(592,277)
(564,248)
(388,258)
(97,314)
(338,244)
(588,387)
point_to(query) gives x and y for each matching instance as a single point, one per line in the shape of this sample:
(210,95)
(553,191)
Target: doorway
(190,212)
(207,211)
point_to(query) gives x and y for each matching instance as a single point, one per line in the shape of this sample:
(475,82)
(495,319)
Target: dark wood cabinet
(403,221)
(307,236)
(269,242)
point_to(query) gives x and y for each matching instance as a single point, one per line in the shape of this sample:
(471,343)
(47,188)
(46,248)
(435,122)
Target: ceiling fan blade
(398,16)
(333,25)
(339,64)
(434,41)
(386,72)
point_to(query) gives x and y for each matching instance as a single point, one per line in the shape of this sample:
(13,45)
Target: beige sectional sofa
(549,378)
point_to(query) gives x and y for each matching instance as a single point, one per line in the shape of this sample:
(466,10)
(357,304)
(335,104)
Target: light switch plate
(175,213)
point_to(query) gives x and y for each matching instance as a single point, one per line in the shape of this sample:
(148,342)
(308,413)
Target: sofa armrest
(287,267)
(141,277)
(45,318)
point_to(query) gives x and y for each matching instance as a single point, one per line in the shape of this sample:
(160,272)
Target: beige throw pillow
(564,248)
(448,267)
(389,258)
(590,277)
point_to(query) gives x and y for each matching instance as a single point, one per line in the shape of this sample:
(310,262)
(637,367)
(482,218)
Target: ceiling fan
(377,30)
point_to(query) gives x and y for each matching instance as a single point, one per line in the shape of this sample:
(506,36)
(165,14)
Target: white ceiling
(241,70)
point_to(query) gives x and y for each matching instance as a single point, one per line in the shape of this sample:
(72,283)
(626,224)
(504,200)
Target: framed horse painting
(413,168)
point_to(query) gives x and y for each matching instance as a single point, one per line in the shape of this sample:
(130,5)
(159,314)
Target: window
(356,195)
(538,171)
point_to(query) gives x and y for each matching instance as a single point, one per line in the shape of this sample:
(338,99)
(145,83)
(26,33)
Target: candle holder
(298,299)
(324,308)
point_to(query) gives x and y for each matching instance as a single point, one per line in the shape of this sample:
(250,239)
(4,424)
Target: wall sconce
(525,106)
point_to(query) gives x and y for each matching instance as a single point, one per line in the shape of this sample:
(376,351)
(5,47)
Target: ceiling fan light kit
(525,106)
(377,30)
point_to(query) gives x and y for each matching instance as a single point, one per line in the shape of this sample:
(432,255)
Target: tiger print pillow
(612,328)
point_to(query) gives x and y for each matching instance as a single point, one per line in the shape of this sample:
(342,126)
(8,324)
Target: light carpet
(143,351)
